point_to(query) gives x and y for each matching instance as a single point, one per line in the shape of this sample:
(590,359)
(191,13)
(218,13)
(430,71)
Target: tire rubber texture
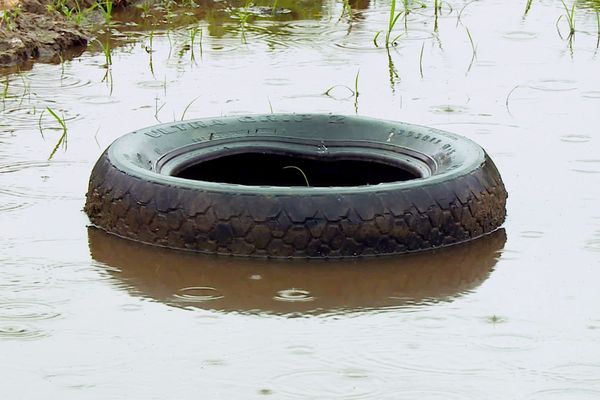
(458,197)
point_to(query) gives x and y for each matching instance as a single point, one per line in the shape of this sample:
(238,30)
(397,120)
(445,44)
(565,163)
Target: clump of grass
(106,9)
(299,170)
(243,15)
(528,6)
(393,18)
(108,78)
(347,9)
(9,16)
(570,17)
(62,141)
(107,53)
(145,6)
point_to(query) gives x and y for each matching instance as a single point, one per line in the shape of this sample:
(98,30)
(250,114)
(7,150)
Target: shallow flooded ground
(513,315)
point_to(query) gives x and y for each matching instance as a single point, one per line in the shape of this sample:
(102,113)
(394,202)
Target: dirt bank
(37,30)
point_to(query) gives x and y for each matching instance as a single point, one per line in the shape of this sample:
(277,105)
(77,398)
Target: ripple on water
(70,381)
(20,332)
(427,395)
(586,166)
(221,46)
(594,243)
(417,34)
(44,80)
(577,372)
(575,138)
(361,41)
(565,394)
(554,85)
(508,342)
(78,272)
(293,295)
(26,311)
(31,171)
(591,94)
(532,234)
(520,35)
(28,116)
(301,350)
(98,99)
(448,109)
(351,383)
(198,294)
(11,206)
(151,84)
(314,33)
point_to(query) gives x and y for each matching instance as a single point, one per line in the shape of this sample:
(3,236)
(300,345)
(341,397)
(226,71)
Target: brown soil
(29,30)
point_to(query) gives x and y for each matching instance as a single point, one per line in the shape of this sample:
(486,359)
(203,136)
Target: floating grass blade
(40,124)
(63,138)
(393,18)
(328,91)
(528,6)
(598,20)
(187,107)
(5,89)
(356,93)
(570,17)
(375,39)
(299,170)
(473,49)
(421,60)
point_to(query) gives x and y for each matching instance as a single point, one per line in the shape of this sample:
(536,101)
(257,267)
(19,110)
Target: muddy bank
(37,30)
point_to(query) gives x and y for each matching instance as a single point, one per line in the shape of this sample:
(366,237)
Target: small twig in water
(508,98)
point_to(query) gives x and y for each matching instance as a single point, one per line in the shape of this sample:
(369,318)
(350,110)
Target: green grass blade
(298,169)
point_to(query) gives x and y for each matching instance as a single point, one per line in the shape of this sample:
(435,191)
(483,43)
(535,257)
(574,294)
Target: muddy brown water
(513,315)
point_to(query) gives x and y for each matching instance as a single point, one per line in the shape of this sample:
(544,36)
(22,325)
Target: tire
(139,188)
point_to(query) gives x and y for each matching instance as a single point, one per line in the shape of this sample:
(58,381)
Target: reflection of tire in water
(184,279)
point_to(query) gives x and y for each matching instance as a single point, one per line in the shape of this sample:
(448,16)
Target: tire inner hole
(268,169)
